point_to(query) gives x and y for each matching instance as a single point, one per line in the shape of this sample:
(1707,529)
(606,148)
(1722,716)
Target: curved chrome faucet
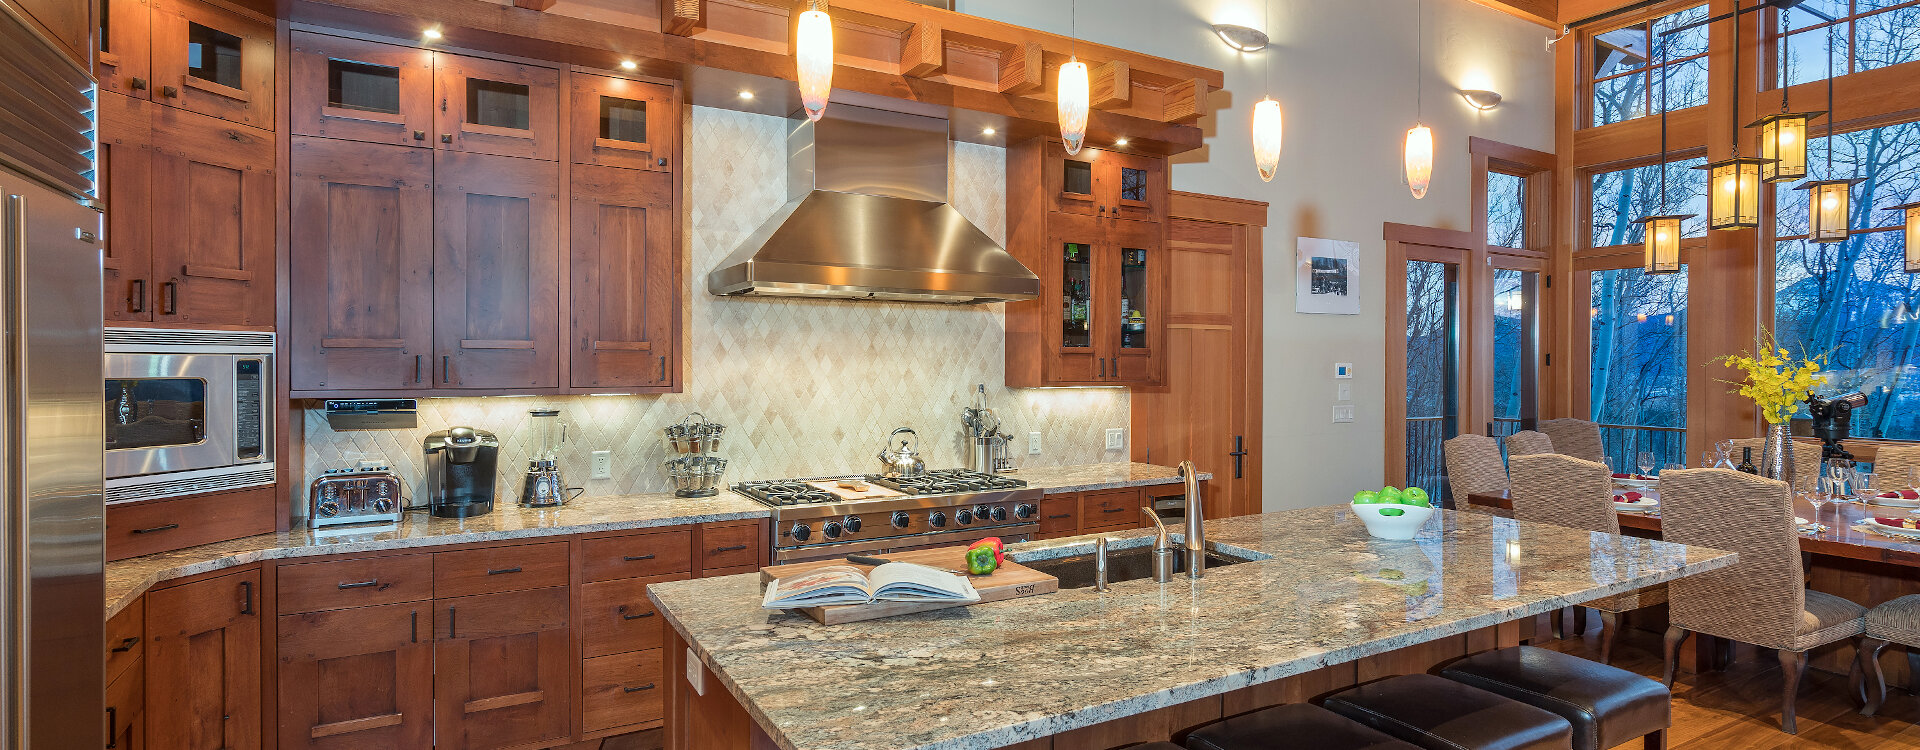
(1162,549)
(1196,541)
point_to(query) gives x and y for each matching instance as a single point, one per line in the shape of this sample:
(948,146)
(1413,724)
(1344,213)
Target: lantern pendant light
(1829,201)
(1074,92)
(1733,184)
(813,54)
(1783,136)
(1266,121)
(1662,233)
(1912,211)
(1419,149)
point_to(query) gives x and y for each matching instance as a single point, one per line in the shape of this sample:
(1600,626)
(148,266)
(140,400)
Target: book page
(909,582)
(834,584)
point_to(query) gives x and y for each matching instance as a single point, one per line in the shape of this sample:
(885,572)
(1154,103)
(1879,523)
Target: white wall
(1342,70)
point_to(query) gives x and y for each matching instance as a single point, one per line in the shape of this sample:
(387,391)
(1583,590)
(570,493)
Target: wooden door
(213,204)
(124,61)
(496,272)
(356,678)
(1135,274)
(213,61)
(1434,277)
(125,156)
(361,285)
(498,108)
(1072,186)
(1132,187)
(203,664)
(617,122)
(361,91)
(1209,410)
(1071,333)
(626,279)
(505,667)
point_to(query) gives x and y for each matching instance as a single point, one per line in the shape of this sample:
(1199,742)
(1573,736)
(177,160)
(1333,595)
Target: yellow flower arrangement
(1776,382)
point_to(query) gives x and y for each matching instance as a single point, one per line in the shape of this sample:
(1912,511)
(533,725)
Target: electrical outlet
(696,674)
(1033,443)
(1343,392)
(1343,413)
(1116,438)
(602,465)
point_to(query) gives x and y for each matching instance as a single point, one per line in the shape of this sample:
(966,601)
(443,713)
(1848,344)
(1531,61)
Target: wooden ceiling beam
(923,52)
(1543,12)
(1023,69)
(683,17)
(1185,102)
(1112,85)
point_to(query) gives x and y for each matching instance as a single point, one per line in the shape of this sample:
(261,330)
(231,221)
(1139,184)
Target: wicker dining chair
(1473,467)
(1566,491)
(1891,463)
(1806,458)
(1762,598)
(1895,622)
(1578,438)
(1527,443)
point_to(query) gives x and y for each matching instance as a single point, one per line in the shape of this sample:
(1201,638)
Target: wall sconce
(1481,99)
(1733,192)
(1828,205)
(1243,38)
(1913,235)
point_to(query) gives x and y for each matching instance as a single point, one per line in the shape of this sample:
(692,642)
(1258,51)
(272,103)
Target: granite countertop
(997,674)
(128,579)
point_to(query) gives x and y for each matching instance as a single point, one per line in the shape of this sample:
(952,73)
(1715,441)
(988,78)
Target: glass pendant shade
(1783,138)
(1266,138)
(1663,243)
(1829,207)
(1912,211)
(1073,95)
(1733,193)
(1419,160)
(813,51)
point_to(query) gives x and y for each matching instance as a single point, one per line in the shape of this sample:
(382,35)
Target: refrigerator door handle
(13,368)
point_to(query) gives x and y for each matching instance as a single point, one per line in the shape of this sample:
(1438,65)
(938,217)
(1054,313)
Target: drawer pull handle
(734,548)
(498,571)
(1059,516)
(1111,510)
(137,296)
(168,527)
(625,616)
(648,686)
(636,558)
(246,606)
(414,626)
(453,623)
(126,644)
(360,585)
(113,727)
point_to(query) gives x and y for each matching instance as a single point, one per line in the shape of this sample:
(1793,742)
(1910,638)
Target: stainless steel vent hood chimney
(867,218)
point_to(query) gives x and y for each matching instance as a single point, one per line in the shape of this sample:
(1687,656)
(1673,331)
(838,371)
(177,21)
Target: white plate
(1893,530)
(1798,521)
(1892,502)
(1638,484)
(1643,505)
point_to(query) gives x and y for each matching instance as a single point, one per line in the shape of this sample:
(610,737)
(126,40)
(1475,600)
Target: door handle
(169,91)
(113,726)
(1239,453)
(419,135)
(446,369)
(446,137)
(170,298)
(663,369)
(126,644)
(416,369)
(138,84)
(414,625)
(137,296)
(1103,367)
(246,603)
(453,623)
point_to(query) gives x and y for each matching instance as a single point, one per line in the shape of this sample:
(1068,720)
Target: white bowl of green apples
(1393,513)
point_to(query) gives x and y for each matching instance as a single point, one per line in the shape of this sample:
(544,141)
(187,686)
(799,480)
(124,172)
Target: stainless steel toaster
(359,495)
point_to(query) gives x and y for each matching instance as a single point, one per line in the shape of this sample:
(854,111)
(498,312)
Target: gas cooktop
(821,517)
(790,492)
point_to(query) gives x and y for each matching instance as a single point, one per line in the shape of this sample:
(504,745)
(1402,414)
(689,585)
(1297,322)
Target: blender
(543,487)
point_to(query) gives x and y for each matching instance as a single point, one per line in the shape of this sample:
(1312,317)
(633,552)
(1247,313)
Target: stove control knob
(383,505)
(964,516)
(800,532)
(1025,511)
(999,513)
(900,519)
(851,524)
(329,508)
(831,530)
(937,520)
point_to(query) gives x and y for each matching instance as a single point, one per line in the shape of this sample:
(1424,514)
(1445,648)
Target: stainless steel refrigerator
(51,401)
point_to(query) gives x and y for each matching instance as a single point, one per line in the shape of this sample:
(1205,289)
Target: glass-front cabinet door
(1071,180)
(362,91)
(1076,244)
(1136,295)
(620,122)
(212,61)
(1134,186)
(495,107)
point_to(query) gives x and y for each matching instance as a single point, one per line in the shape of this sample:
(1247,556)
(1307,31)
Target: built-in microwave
(187,412)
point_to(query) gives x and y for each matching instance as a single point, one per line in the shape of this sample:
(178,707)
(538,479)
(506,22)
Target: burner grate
(785,493)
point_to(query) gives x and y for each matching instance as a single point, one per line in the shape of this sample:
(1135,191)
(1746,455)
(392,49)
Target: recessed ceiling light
(988,131)
(629,65)
(746,95)
(431,33)
(1120,142)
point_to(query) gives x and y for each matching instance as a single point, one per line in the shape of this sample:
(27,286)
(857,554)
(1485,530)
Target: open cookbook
(845,584)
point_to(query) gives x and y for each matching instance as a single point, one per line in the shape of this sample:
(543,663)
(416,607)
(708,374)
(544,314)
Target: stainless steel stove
(826,517)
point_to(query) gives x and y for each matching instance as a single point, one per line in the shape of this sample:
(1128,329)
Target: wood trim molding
(1419,235)
(1203,207)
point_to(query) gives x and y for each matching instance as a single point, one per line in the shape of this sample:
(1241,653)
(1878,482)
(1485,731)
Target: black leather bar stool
(1301,725)
(1441,714)
(1607,706)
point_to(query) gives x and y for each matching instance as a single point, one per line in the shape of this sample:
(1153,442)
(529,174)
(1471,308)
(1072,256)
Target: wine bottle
(1746,461)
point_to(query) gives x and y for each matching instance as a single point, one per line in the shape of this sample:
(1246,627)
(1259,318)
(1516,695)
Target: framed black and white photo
(1327,277)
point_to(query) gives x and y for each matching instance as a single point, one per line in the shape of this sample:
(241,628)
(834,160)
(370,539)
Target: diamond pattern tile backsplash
(805,387)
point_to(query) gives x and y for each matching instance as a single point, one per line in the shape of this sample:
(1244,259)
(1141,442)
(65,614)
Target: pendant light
(1267,118)
(1733,184)
(1829,201)
(1662,232)
(1073,92)
(1419,148)
(813,54)
(1783,136)
(1912,211)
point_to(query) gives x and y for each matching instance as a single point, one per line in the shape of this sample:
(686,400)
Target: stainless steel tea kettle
(902,461)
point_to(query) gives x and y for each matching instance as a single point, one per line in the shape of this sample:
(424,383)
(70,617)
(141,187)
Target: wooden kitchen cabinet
(496,107)
(1075,513)
(357,677)
(625,262)
(203,661)
(621,690)
(621,122)
(496,272)
(211,206)
(123,56)
(125,169)
(126,714)
(1104,184)
(505,666)
(362,91)
(212,60)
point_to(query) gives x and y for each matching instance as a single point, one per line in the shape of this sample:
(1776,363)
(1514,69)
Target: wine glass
(1913,478)
(1862,484)
(1706,459)
(1814,490)
(1647,463)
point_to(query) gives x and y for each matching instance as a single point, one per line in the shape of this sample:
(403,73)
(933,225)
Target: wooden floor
(1740,707)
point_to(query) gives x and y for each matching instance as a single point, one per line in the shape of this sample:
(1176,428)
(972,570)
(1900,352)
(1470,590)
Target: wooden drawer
(620,690)
(651,554)
(126,699)
(311,587)
(496,569)
(1060,514)
(615,616)
(730,546)
(162,525)
(126,638)
(1106,509)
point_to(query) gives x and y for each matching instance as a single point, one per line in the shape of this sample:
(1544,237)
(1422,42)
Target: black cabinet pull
(446,369)
(113,726)
(648,686)
(170,298)
(138,84)
(446,137)
(662,161)
(453,623)
(246,603)
(168,527)
(413,626)
(499,571)
(641,616)
(1239,453)
(1103,367)
(734,548)
(169,91)
(416,369)
(126,644)
(360,584)
(663,369)
(419,135)
(1059,516)
(137,296)
(637,558)
(1112,510)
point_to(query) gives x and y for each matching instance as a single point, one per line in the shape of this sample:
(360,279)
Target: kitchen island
(1319,593)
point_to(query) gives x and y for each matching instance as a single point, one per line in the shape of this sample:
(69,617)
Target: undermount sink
(1076,572)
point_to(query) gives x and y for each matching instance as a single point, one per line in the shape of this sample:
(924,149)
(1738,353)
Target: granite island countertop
(1000,673)
(128,579)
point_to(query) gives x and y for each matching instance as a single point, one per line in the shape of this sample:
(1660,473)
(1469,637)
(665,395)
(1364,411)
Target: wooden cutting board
(872,491)
(1011,581)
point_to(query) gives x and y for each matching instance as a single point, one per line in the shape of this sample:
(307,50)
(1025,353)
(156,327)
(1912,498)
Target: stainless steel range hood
(867,218)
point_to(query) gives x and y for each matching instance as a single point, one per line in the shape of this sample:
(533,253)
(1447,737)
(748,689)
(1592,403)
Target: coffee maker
(461,470)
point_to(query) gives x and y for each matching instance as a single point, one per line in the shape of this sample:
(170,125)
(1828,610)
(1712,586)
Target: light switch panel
(1116,438)
(1343,413)
(1343,392)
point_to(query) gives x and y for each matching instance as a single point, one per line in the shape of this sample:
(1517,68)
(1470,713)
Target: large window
(1506,210)
(1637,387)
(1629,65)
(1853,300)
(1624,197)
(1869,34)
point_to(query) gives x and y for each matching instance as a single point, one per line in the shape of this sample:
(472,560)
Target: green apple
(1390,495)
(1416,496)
(1392,512)
(1366,497)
